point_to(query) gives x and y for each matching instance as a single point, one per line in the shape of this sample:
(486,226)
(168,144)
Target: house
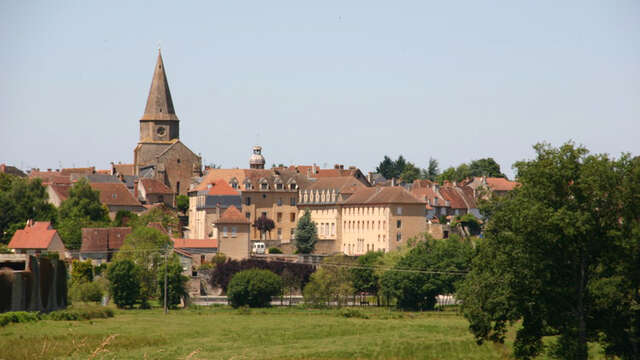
(116,197)
(100,244)
(380,219)
(429,191)
(205,206)
(201,250)
(460,199)
(37,238)
(232,230)
(151,191)
(484,187)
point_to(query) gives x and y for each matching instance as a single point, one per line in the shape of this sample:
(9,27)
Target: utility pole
(166,250)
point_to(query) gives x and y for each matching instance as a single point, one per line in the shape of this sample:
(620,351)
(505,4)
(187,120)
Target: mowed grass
(225,333)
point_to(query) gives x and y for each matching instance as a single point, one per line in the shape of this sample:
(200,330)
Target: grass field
(275,333)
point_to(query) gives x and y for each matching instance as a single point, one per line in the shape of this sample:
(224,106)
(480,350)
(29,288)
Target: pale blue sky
(325,82)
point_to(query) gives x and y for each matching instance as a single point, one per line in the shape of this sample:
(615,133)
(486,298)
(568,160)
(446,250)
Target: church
(160,154)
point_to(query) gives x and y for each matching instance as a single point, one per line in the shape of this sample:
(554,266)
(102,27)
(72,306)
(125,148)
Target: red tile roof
(123,169)
(458,197)
(382,195)
(501,184)
(36,236)
(50,177)
(115,194)
(85,171)
(221,187)
(232,216)
(103,239)
(61,190)
(152,186)
(195,243)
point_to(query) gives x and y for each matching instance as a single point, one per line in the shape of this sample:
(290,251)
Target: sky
(325,82)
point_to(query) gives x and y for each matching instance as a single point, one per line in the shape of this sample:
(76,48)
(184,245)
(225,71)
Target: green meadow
(274,333)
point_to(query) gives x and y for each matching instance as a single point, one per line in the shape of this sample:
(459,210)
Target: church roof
(159,103)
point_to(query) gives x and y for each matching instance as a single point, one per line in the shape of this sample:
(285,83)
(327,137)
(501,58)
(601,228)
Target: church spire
(159,103)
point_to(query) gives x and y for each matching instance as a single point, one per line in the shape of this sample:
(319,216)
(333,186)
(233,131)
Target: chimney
(135,188)
(352,167)
(336,166)
(29,223)
(48,170)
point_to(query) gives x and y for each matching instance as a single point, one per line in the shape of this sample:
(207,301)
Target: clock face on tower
(160,130)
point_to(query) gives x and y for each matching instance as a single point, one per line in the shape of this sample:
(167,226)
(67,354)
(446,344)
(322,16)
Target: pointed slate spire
(159,103)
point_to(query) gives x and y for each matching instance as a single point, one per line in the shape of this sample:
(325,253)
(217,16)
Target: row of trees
(408,172)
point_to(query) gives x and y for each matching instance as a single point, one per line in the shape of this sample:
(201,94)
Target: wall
(365,227)
(237,247)
(267,201)
(413,222)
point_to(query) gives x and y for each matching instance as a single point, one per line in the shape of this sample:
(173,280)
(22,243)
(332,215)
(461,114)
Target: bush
(79,314)
(253,288)
(353,313)
(223,272)
(176,283)
(86,292)
(18,317)
(329,284)
(124,281)
(275,250)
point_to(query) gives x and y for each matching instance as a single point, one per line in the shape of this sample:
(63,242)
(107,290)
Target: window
(322,229)
(178,187)
(264,186)
(279,234)
(279,201)
(293,234)
(399,211)
(293,186)
(293,201)
(333,229)
(399,224)
(114,195)
(224,231)
(234,231)
(247,186)
(264,196)
(292,217)
(435,201)
(247,215)
(399,236)
(178,161)
(279,186)
(326,230)
(279,217)
(247,201)
(234,185)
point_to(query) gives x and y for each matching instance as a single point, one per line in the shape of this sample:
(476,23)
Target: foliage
(145,247)
(254,288)
(81,271)
(182,203)
(561,255)
(223,272)
(410,173)
(125,218)
(353,313)
(468,221)
(432,170)
(124,282)
(331,283)
(18,317)
(176,282)
(264,224)
(20,200)
(85,313)
(306,235)
(481,167)
(365,278)
(81,209)
(166,217)
(417,290)
(275,250)
(86,291)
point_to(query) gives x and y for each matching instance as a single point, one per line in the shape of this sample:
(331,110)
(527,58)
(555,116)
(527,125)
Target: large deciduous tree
(264,224)
(561,255)
(306,234)
(81,209)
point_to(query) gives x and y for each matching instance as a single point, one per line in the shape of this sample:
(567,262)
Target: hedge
(223,272)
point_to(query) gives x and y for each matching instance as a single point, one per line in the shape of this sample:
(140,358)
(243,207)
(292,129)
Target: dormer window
(114,195)
(279,186)
(264,186)
(293,186)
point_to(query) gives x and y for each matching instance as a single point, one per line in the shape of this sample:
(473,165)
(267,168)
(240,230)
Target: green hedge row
(64,315)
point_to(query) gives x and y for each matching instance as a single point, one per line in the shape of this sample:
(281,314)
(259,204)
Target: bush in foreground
(253,288)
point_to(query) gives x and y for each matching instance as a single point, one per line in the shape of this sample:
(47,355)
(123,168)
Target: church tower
(159,122)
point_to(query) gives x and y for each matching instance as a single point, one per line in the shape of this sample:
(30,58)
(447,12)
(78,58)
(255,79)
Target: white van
(258,248)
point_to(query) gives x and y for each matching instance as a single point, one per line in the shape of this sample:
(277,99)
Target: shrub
(124,281)
(176,283)
(275,250)
(253,288)
(79,314)
(86,292)
(223,272)
(18,317)
(353,313)
(329,284)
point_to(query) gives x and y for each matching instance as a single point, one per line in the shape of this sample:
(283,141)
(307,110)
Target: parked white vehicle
(259,248)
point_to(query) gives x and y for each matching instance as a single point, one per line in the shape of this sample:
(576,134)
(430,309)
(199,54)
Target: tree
(399,166)
(124,282)
(485,167)
(21,200)
(417,290)
(365,279)
(410,173)
(125,218)
(182,203)
(264,224)
(253,288)
(82,271)
(432,170)
(386,168)
(176,282)
(306,234)
(331,283)
(561,255)
(145,248)
(81,209)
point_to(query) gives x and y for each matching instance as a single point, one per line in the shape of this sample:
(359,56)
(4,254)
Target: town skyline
(311,86)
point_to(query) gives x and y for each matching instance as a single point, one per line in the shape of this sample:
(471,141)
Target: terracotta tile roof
(115,194)
(221,187)
(458,197)
(61,190)
(103,172)
(50,177)
(86,171)
(254,176)
(103,239)
(424,190)
(35,236)
(501,184)
(225,174)
(342,184)
(153,186)
(123,169)
(232,216)
(382,195)
(195,243)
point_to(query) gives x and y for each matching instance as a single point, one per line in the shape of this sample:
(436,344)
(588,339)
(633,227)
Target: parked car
(258,248)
